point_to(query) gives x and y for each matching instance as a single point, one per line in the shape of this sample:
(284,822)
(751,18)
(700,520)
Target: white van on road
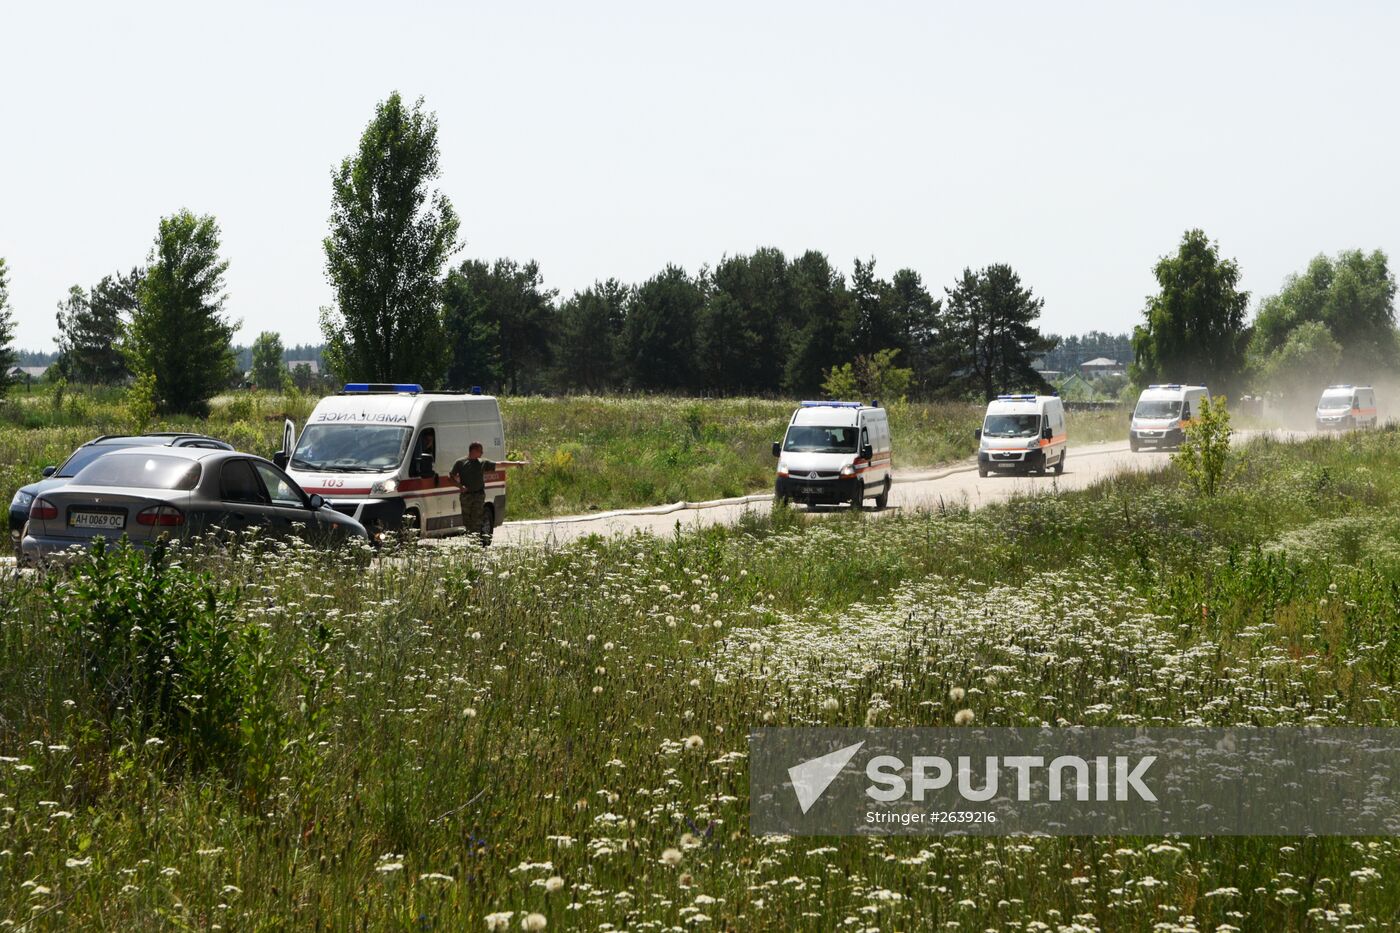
(1346,406)
(1022,434)
(381,453)
(1163,413)
(835,452)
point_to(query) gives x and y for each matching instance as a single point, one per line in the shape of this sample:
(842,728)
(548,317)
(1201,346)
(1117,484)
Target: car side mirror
(280,459)
(777,450)
(867,452)
(424,465)
(49,471)
(315,502)
(977,433)
(1047,433)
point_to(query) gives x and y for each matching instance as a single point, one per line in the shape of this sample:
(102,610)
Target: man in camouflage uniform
(469,473)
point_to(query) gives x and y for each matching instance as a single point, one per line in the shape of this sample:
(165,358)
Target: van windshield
(350,448)
(823,440)
(1157,408)
(1335,400)
(1011,426)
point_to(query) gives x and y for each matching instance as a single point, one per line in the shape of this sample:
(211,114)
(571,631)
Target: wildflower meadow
(544,737)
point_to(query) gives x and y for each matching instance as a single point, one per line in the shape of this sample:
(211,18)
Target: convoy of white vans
(1023,434)
(1346,406)
(382,453)
(835,453)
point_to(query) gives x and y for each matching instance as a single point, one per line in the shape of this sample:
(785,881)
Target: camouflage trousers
(473,512)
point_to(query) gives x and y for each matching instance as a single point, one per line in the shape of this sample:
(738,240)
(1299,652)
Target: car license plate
(97,520)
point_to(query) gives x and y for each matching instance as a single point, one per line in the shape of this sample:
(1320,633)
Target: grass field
(586,452)
(461,739)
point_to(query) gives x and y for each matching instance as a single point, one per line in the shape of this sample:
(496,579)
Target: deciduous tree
(7,329)
(390,237)
(1195,327)
(268,370)
(1352,296)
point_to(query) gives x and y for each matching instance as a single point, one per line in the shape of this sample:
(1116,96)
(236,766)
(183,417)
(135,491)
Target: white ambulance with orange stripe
(1346,406)
(834,453)
(381,453)
(1022,434)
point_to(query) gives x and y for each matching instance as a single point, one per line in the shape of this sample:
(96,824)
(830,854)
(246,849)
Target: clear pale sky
(1075,141)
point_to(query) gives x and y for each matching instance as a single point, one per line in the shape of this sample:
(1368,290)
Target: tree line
(755,323)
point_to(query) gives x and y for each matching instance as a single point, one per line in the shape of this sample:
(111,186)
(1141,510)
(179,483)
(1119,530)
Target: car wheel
(1133,445)
(882,501)
(413,521)
(981,471)
(1060,464)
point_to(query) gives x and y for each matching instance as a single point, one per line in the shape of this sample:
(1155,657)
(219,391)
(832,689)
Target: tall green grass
(450,730)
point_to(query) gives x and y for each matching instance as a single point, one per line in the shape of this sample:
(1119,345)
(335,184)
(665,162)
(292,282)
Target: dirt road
(912,490)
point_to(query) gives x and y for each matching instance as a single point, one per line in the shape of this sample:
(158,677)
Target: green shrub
(155,644)
(1205,454)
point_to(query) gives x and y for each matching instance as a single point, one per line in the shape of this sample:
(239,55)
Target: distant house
(1075,388)
(310,364)
(1101,365)
(28,373)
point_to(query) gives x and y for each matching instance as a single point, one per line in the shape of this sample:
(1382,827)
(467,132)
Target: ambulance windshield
(350,448)
(820,440)
(1011,426)
(1335,399)
(1157,408)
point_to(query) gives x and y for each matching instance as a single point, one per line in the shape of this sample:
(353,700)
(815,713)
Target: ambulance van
(1162,414)
(833,453)
(1346,406)
(1022,434)
(381,453)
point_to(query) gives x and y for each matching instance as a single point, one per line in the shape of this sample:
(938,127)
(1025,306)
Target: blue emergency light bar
(814,404)
(1016,398)
(410,387)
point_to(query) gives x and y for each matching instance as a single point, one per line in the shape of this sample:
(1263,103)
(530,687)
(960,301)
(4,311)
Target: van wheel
(982,472)
(882,501)
(858,497)
(412,521)
(1134,445)
(1060,463)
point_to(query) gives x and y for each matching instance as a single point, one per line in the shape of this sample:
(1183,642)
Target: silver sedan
(179,492)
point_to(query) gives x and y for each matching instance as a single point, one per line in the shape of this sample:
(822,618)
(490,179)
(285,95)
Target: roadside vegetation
(587,452)
(555,736)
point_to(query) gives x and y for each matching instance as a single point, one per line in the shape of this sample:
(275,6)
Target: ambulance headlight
(782,468)
(1032,444)
(848,470)
(384,487)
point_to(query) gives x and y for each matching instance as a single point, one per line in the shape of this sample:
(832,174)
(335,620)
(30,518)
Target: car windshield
(1157,408)
(151,472)
(90,452)
(350,448)
(1011,426)
(813,439)
(1332,400)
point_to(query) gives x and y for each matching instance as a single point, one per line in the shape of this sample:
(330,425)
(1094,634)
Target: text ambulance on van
(835,452)
(381,453)
(1023,433)
(1163,413)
